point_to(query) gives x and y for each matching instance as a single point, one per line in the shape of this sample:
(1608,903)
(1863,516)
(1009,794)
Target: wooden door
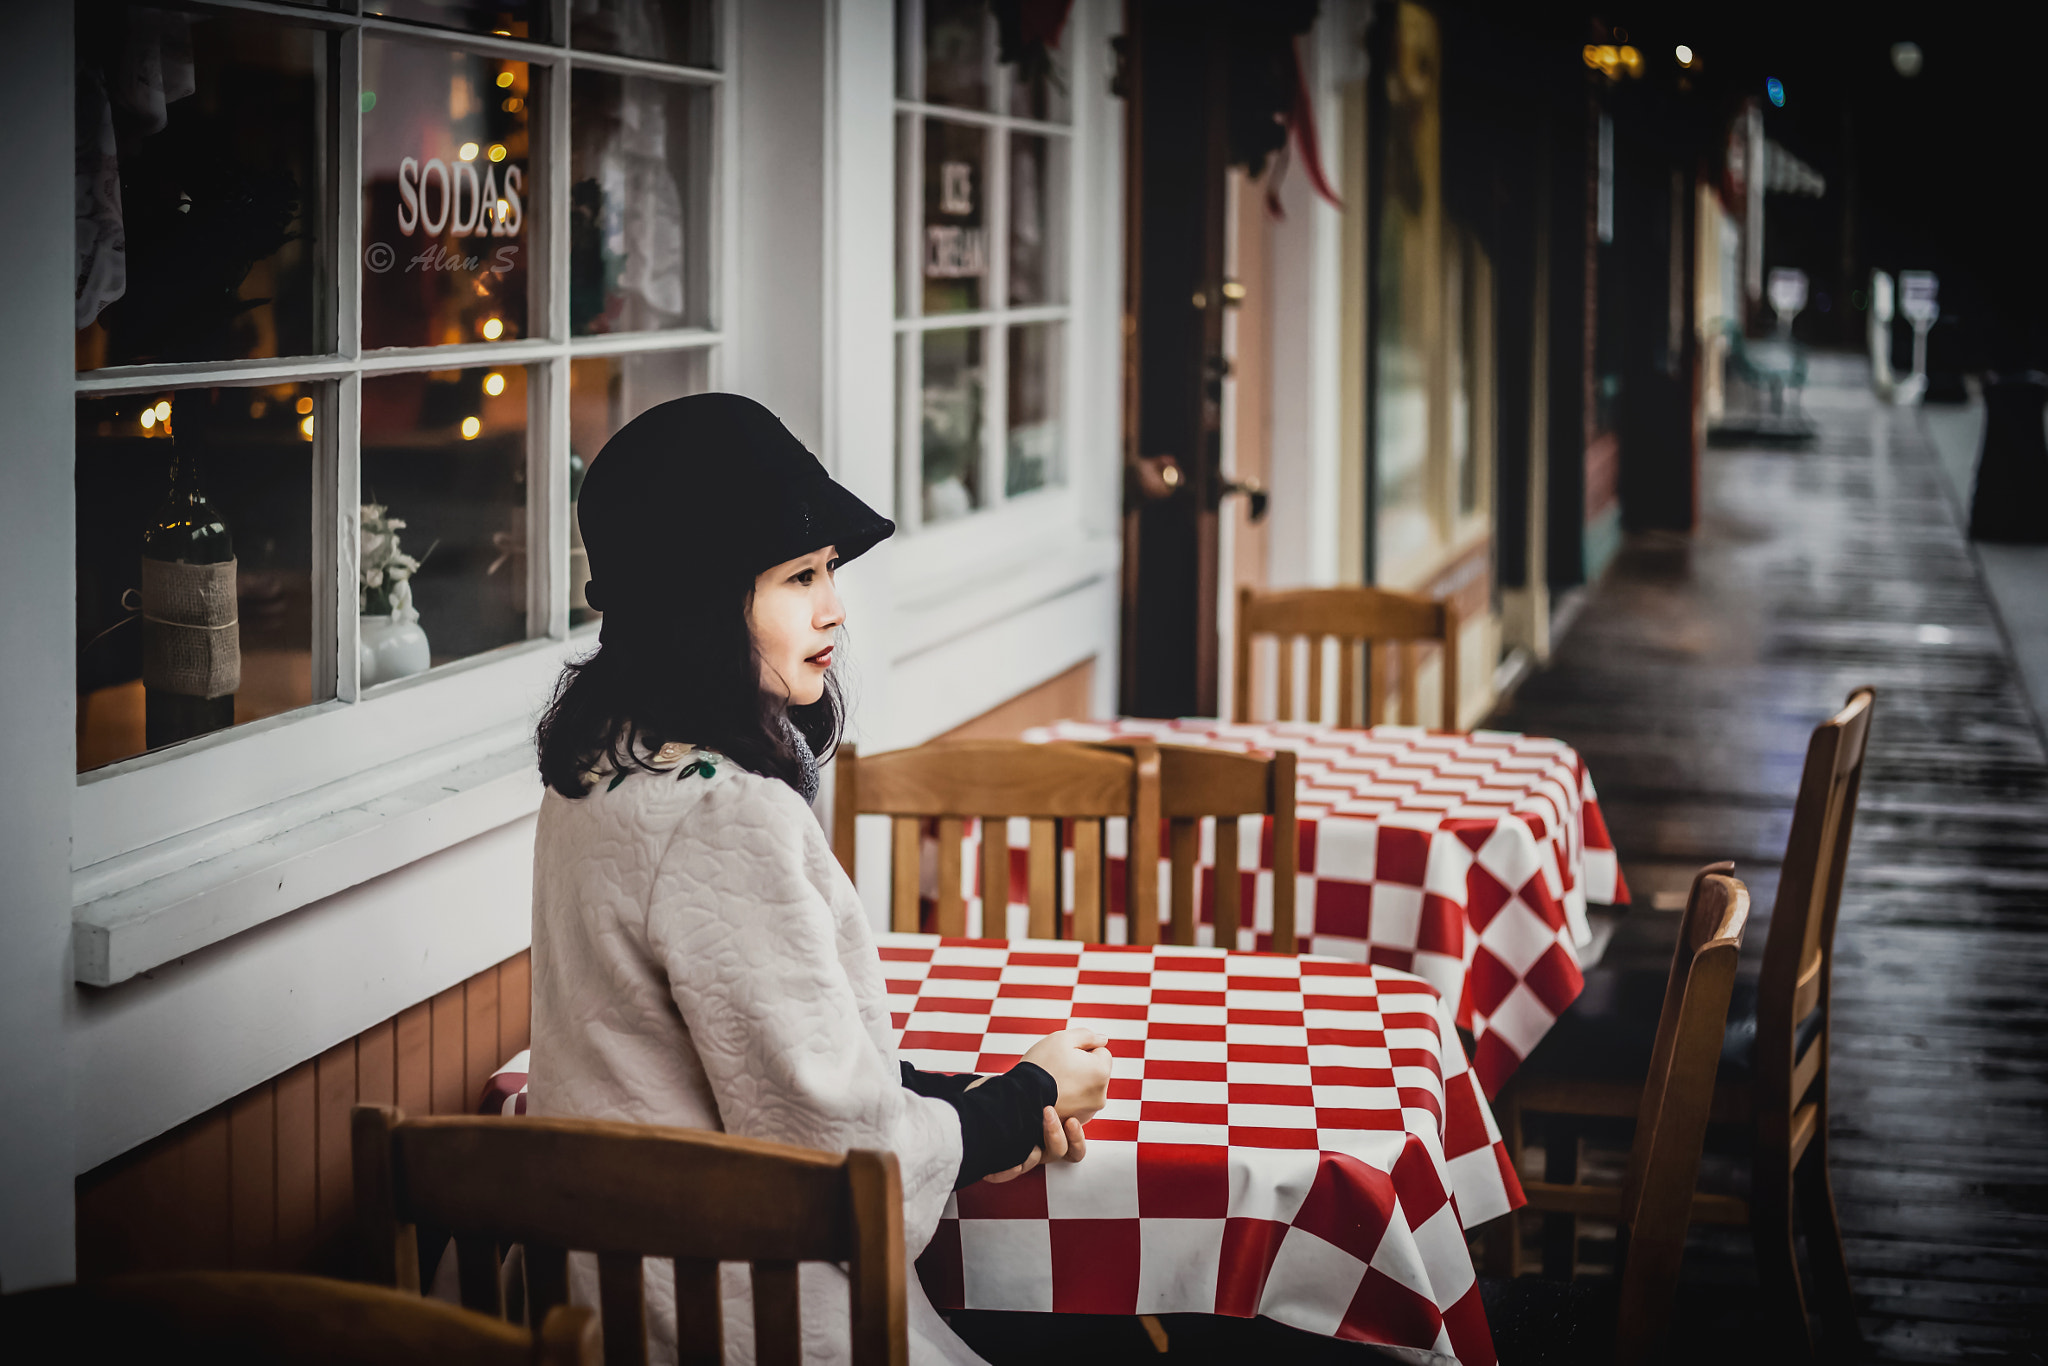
(1176,90)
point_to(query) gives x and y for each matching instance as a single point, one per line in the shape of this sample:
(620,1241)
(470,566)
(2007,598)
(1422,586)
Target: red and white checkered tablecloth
(1298,1138)
(1466,859)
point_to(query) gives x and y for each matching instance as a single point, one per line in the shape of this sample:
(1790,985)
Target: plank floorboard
(1690,682)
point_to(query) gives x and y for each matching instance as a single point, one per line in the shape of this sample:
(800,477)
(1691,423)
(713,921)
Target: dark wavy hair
(696,680)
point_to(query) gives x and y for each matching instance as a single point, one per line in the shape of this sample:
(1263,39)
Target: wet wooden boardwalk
(1690,682)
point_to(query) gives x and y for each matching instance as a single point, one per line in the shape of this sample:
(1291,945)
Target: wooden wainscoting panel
(252,1178)
(298,1164)
(264,1181)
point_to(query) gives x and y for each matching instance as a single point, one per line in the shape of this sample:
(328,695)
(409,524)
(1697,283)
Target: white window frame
(1051,504)
(174,831)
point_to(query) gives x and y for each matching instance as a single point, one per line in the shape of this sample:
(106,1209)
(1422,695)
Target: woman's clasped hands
(1078,1060)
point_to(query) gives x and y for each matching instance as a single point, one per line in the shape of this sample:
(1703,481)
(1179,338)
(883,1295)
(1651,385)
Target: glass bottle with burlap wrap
(191,632)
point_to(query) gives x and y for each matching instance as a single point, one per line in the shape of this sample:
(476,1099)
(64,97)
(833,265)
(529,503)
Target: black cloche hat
(723,471)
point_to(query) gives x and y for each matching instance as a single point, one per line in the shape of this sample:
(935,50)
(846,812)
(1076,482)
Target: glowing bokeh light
(305,403)
(1775,88)
(468,152)
(1684,55)
(494,384)
(148,418)
(493,329)
(504,80)
(306,427)
(470,428)
(163,410)
(497,152)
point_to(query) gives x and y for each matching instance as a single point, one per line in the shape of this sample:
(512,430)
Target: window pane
(956,53)
(639,204)
(1031,453)
(195,564)
(1039,79)
(955,216)
(450,198)
(199,177)
(444,453)
(1038,219)
(508,18)
(605,393)
(951,442)
(681,31)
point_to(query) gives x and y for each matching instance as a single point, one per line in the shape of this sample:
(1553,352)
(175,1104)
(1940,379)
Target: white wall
(1307,273)
(37,679)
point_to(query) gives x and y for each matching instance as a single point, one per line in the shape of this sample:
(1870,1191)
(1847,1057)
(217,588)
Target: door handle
(1254,493)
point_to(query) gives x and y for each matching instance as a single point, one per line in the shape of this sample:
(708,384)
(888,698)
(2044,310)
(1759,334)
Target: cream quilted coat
(700,959)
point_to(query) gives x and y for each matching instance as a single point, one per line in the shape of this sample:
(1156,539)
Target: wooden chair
(240,1318)
(1196,783)
(1774,1077)
(624,1191)
(1534,1319)
(995,780)
(1358,618)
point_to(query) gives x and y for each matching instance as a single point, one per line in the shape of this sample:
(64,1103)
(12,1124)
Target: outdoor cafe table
(1466,859)
(1298,1138)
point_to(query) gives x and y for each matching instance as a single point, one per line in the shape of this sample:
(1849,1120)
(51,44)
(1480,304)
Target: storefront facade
(295,796)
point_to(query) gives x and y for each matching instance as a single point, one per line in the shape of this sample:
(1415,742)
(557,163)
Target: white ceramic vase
(391,646)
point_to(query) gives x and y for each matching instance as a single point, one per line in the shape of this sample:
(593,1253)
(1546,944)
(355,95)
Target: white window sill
(138,911)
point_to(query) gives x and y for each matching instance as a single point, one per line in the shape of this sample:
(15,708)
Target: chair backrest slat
(1088,870)
(1184,852)
(1078,786)
(778,1339)
(905,851)
(952,906)
(476,1265)
(1671,1122)
(547,1277)
(1358,619)
(622,1303)
(1799,952)
(700,1313)
(1044,878)
(625,1192)
(1229,886)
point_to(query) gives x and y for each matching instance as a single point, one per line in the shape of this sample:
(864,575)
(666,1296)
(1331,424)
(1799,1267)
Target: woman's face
(794,612)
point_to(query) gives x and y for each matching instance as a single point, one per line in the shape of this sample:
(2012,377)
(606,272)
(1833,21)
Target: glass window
(983,226)
(1031,450)
(951,423)
(195,564)
(682,31)
(448,195)
(1038,211)
(223,524)
(199,187)
(639,204)
(444,470)
(956,259)
(506,18)
(605,393)
(955,53)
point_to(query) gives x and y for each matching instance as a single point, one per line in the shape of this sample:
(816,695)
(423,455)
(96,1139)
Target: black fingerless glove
(1001,1120)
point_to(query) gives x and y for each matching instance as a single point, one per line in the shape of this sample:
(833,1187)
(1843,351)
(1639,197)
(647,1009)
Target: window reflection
(605,393)
(680,31)
(506,18)
(955,257)
(1038,81)
(639,204)
(1038,199)
(449,196)
(198,187)
(956,53)
(213,489)
(1031,457)
(951,424)
(444,452)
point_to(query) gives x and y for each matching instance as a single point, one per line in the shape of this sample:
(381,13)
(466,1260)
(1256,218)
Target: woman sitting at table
(699,957)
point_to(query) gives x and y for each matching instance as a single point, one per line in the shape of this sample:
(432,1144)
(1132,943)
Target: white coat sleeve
(752,952)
